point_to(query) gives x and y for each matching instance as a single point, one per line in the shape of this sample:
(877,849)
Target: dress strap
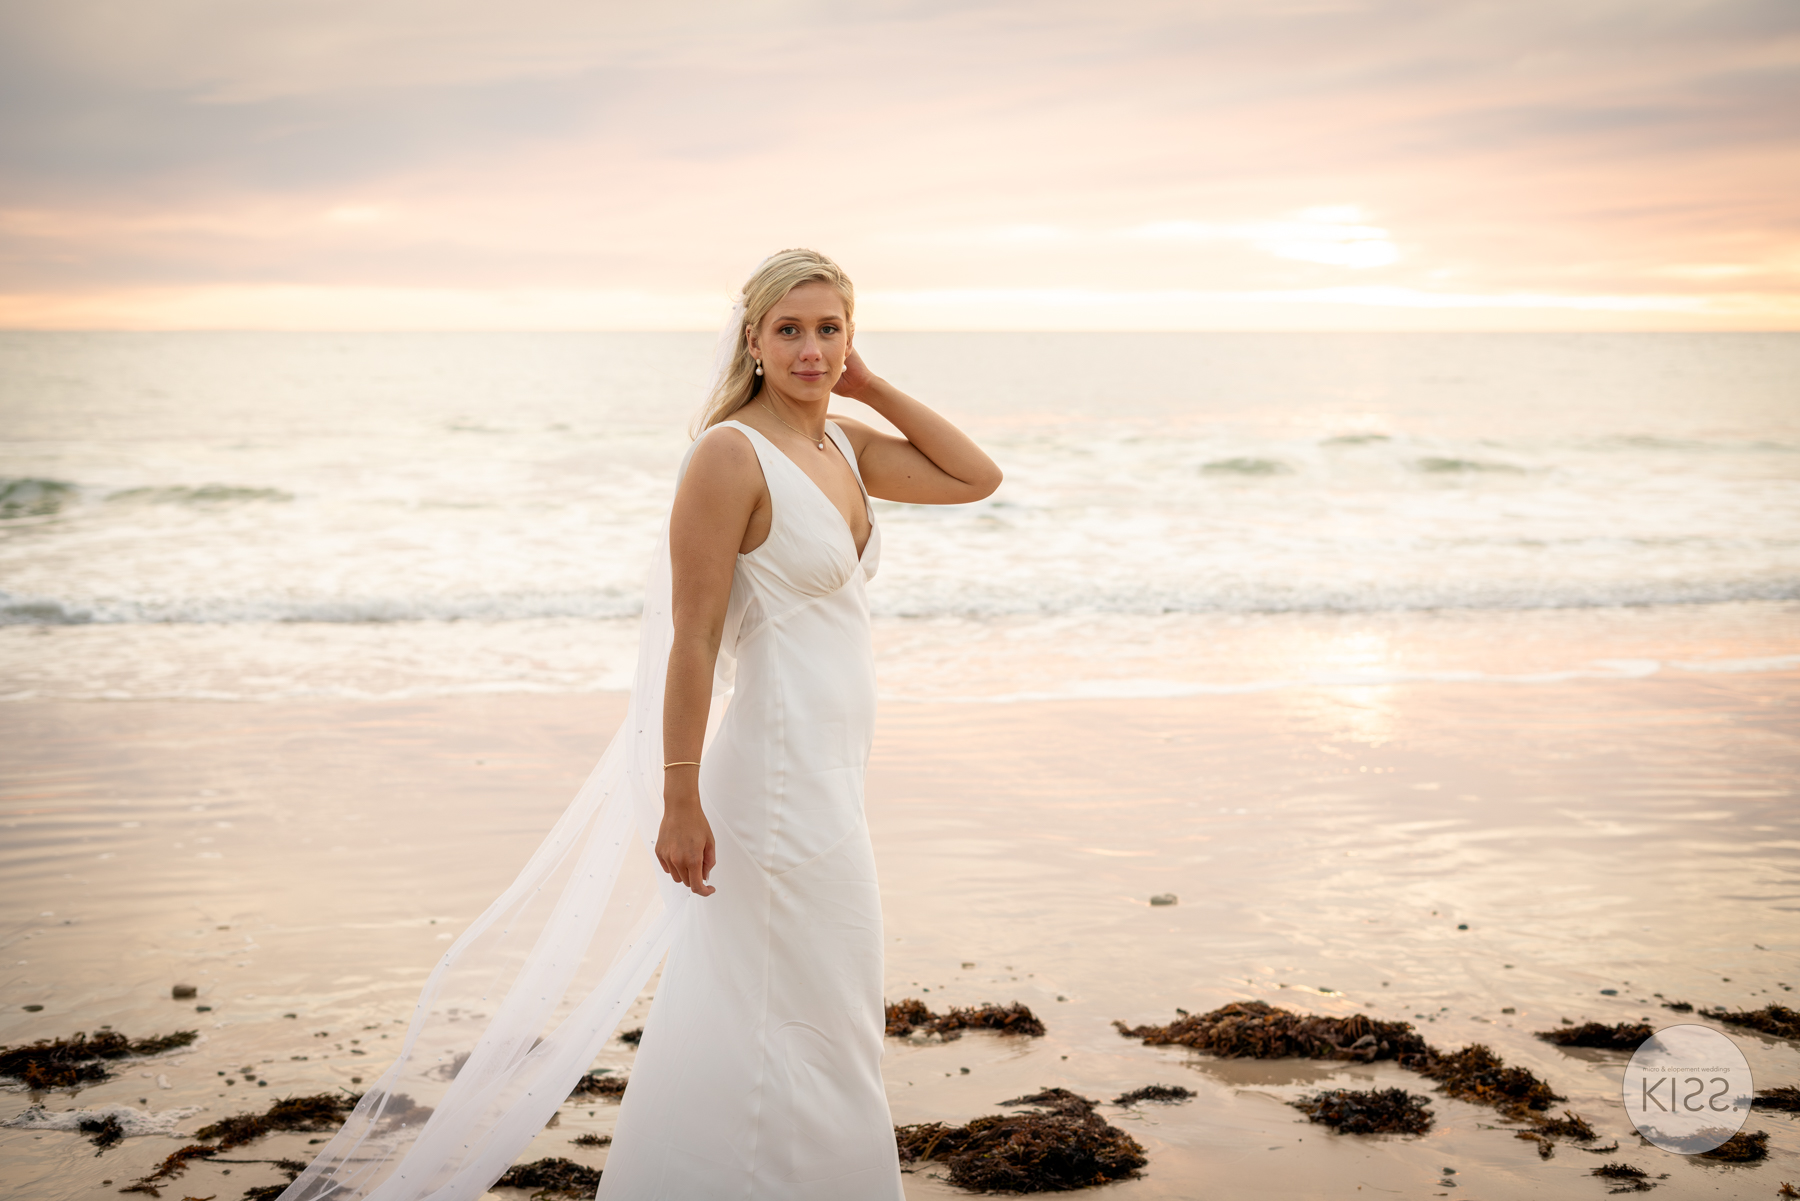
(849,452)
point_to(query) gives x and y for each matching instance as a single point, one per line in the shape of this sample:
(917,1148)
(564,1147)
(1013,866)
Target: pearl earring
(759,366)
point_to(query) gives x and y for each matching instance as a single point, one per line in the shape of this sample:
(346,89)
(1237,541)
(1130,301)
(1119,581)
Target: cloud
(1331,234)
(393,147)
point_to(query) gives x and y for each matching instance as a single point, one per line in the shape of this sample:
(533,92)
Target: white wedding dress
(759,1075)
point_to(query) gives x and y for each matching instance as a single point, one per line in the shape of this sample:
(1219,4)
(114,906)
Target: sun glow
(1335,235)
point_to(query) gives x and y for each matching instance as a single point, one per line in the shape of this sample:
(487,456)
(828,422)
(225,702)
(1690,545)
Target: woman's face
(803,343)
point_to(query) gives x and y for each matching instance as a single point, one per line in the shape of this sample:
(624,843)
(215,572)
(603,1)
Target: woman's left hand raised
(856,378)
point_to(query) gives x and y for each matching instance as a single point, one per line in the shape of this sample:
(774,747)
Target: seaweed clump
(1059,1146)
(319,1112)
(552,1177)
(599,1083)
(1057,1100)
(270,1192)
(106,1132)
(1476,1074)
(1778,1020)
(172,1166)
(592,1140)
(1630,1179)
(1784,1097)
(1258,1030)
(76,1060)
(632,1038)
(177,1163)
(1743,1147)
(1370,1111)
(903,1017)
(910,1015)
(1167,1094)
(1623,1036)
(1572,1126)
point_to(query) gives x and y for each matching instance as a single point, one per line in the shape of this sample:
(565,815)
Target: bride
(758,1075)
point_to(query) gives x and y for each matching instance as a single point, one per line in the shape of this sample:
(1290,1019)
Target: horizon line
(460,329)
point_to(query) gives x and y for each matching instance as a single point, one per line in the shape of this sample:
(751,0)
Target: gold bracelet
(682,763)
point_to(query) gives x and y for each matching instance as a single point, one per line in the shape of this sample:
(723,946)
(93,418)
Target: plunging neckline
(855,473)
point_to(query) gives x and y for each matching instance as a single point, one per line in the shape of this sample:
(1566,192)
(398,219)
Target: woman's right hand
(684,843)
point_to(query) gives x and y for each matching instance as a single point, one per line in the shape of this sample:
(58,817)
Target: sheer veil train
(524,999)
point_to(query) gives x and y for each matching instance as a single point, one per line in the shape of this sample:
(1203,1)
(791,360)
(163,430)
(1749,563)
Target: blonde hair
(737,383)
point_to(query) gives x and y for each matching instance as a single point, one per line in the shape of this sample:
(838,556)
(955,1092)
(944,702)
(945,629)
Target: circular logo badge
(1687,1089)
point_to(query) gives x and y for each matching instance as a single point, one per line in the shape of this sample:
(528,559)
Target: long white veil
(527,996)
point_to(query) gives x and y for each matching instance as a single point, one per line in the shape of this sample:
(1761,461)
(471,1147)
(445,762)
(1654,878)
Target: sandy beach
(1431,853)
(1345,715)
(1445,680)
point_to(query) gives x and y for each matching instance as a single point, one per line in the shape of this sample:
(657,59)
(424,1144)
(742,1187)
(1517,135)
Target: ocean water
(262,516)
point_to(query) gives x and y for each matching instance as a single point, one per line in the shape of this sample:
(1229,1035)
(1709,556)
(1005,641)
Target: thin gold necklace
(777,416)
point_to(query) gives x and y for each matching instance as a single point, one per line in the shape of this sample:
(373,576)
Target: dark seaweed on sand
(552,1177)
(1630,1179)
(177,1163)
(598,1084)
(1743,1147)
(1057,1100)
(106,1131)
(65,1063)
(172,1166)
(1061,1146)
(269,1192)
(1167,1094)
(592,1140)
(903,1017)
(1545,1132)
(156,1044)
(1258,1030)
(1476,1074)
(317,1113)
(1571,1126)
(1778,1020)
(1783,1097)
(1624,1036)
(1619,1171)
(1546,1147)
(1371,1111)
(632,1037)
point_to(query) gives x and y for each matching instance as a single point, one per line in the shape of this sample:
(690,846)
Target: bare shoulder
(724,460)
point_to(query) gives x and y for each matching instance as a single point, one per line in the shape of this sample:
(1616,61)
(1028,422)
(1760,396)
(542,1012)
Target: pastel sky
(1028,164)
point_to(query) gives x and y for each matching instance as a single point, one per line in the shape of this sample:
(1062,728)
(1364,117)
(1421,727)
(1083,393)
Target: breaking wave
(928,602)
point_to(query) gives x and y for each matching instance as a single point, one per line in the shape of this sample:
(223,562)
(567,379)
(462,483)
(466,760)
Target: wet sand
(1326,844)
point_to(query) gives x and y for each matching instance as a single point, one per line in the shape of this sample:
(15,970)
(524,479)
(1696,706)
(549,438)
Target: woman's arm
(721,493)
(932,463)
